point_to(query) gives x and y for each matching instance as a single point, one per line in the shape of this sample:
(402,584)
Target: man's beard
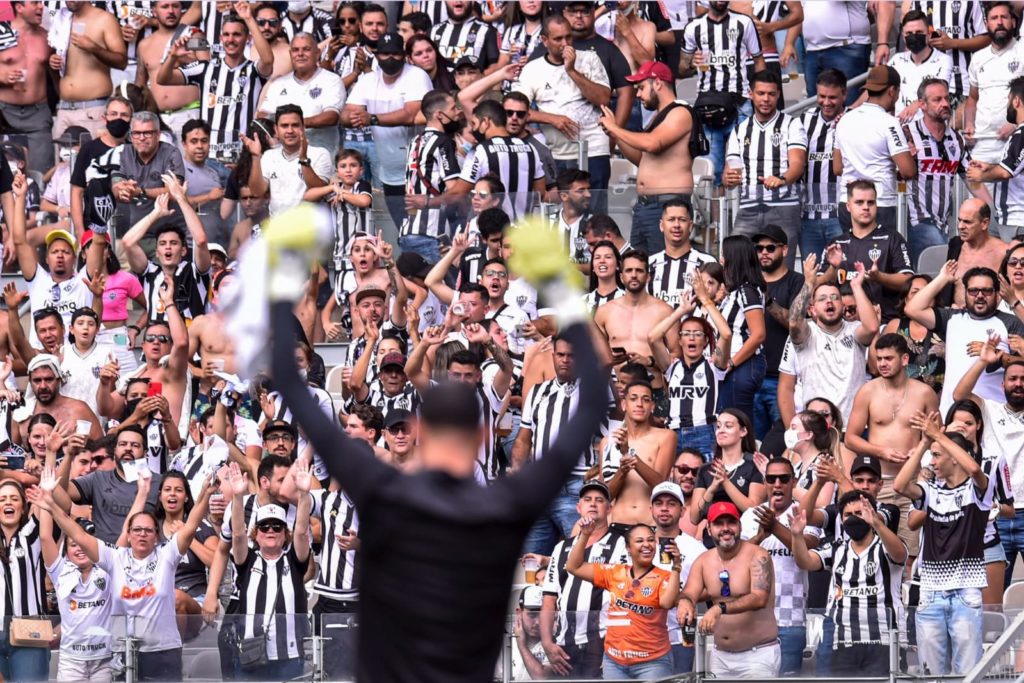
(773,266)
(1000,37)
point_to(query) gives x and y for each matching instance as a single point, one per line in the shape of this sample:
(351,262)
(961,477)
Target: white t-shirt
(284,174)
(833,24)
(392,142)
(521,294)
(550,88)
(991,72)
(85,610)
(868,138)
(1004,435)
(324,91)
(959,328)
(938,65)
(145,591)
(83,372)
(69,295)
(827,365)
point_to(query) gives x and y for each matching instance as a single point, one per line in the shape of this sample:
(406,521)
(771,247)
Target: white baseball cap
(668,488)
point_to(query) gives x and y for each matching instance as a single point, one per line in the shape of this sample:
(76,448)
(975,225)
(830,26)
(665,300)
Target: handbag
(252,652)
(31,632)
(716,109)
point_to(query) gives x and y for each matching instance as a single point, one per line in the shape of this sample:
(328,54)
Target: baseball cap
(668,488)
(391,359)
(45,360)
(465,61)
(280,426)
(881,77)
(397,416)
(411,264)
(867,462)
(723,509)
(391,44)
(595,485)
(214,247)
(369,289)
(271,512)
(54,235)
(72,135)
(651,69)
(772,232)
(531,597)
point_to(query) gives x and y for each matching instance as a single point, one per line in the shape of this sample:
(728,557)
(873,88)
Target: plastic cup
(530,568)
(83,427)
(78,27)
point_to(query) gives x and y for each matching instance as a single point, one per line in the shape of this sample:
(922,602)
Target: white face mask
(792,438)
(299,7)
(64,154)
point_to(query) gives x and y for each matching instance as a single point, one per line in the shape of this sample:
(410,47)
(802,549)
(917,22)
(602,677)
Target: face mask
(118,127)
(720,7)
(479,136)
(792,438)
(916,42)
(391,67)
(64,154)
(452,126)
(1011,114)
(466,147)
(303,373)
(855,527)
(300,7)
(129,407)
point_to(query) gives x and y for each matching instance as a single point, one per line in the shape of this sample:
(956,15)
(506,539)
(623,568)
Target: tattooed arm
(798,329)
(762,581)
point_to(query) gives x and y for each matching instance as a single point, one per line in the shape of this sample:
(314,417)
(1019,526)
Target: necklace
(636,581)
(898,407)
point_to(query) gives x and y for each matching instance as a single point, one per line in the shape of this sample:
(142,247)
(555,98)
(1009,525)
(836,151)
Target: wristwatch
(303,162)
(374,121)
(722,606)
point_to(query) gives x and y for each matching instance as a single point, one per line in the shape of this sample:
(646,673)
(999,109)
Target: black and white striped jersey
(582,607)
(939,162)
(768,11)
(547,407)
(190,290)
(228,98)
(316,23)
(820,181)
(865,599)
(338,576)
(490,457)
(250,506)
(1008,196)
(671,275)
(211,22)
(272,602)
(23,573)
(471,38)
(350,219)
(764,149)
(407,399)
(960,20)
(437,10)
(344,63)
(726,46)
(734,307)
(514,161)
(432,164)
(692,393)
(516,40)
(997,467)
(574,236)
(595,299)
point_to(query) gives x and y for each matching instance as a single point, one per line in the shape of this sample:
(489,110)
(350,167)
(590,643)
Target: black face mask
(129,407)
(855,527)
(478,135)
(392,67)
(916,42)
(1011,114)
(452,126)
(118,127)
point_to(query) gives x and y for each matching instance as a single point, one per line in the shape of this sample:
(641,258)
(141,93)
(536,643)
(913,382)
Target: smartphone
(197,44)
(935,34)
(335,28)
(15,462)
(155,389)
(611,5)
(618,351)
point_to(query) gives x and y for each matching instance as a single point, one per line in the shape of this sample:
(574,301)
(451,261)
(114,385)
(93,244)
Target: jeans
(557,521)
(921,236)
(766,413)
(792,640)
(163,665)
(702,438)
(823,655)
(718,137)
(949,630)
(600,170)
(23,663)
(860,659)
(739,387)
(371,162)
(340,652)
(682,659)
(275,670)
(645,235)
(1011,534)
(427,247)
(750,220)
(394,199)
(642,671)
(852,60)
(816,233)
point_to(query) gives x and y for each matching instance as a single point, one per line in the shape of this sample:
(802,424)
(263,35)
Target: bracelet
(173,304)
(135,327)
(1016,304)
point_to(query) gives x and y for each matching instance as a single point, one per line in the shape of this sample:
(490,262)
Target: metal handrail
(805,104)
(995,652)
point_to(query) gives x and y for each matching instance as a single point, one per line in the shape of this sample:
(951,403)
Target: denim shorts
(995,554)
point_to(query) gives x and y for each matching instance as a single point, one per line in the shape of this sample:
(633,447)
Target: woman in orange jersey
(636,645)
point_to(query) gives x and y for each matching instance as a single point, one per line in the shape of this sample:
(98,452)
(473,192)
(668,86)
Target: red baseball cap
(722,509)
(87,237)
(652,70)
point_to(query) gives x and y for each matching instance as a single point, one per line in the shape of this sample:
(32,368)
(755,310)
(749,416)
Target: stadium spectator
(731,476)
(961,34)
(23,102)
(290,169)
(462,34)
(1005,174)
(917,64)
(842,40)
(819,222)
(673,269)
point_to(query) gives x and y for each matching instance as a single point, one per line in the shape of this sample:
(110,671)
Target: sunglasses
(981,291)
(780,478)
(400,428)
(347,20)
(685,469)
(162,338)
(1015,262)
(276,527)
(481,195)
(100,459)
(850,310)
(268,22)
(515,113)
(767,248)
(723,576)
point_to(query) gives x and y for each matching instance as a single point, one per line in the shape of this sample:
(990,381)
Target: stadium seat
(623,172)
(203,665)
(333,384)
(931,260)
(993,625)
(703,195)
(1013,597)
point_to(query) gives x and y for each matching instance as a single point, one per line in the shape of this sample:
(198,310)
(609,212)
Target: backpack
(699,143)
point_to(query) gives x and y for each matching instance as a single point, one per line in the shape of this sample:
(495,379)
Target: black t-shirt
(884,246)
(614,61)
(93,149)
(743,476)
(7,179)
(783,291)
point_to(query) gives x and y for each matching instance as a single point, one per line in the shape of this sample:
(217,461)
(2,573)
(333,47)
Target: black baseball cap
(391,44)
(595,485)
(411,264)
(397,416)
(866,462)
(772,232)
(467,61)
(280,426)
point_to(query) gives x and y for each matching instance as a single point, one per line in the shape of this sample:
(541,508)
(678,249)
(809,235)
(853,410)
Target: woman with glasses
(809,440)
(743,309)
(1012,270)
(142,575)
(343,48)
(636,645)
(487,193)
(693,380)
(270,614)
(927,348)
(605,279)
(421,51)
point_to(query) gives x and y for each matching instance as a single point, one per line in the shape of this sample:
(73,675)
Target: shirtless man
(661,152)
(625,321)
(684,472)
(644,453)
(365,255)
(634,36)
(979,246)
(23,74)
(179,103)
(884,406)
(44,376)
(742,618)
(95,46)
(254,212)
(268,18)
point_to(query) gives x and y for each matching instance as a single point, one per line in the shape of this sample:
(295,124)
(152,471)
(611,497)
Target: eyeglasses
(981,291)
(580,11)
(767,248)
(780,478)
(696,334)
(400,428)
(826,297)
(162,338)
(347,20)
(496,273)
(144,133)
(276,527)
(723,576)
(278,436)
(516,113)
(268,22)
(1015,262)
(481,195)
(143,530)
(685,469)
(100,459)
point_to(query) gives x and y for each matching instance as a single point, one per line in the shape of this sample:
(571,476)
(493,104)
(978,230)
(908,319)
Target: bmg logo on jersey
(724,59)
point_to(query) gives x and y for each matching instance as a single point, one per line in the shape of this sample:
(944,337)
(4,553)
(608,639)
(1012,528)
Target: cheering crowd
(818,414)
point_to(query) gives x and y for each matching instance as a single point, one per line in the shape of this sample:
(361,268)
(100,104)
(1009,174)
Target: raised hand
(59,436)
(234,482)
(765,517)
(435,335)
(476,333)
(13,297)
(48,479)
(97,283)
(621,439)
(243,10)
(19,186)
(111,372)
(949,271)
(797,520)
(174,187)
(303,476)
(6,368)
(253,144)
(858,282)
(161,206)
(586,527)
(834,255)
